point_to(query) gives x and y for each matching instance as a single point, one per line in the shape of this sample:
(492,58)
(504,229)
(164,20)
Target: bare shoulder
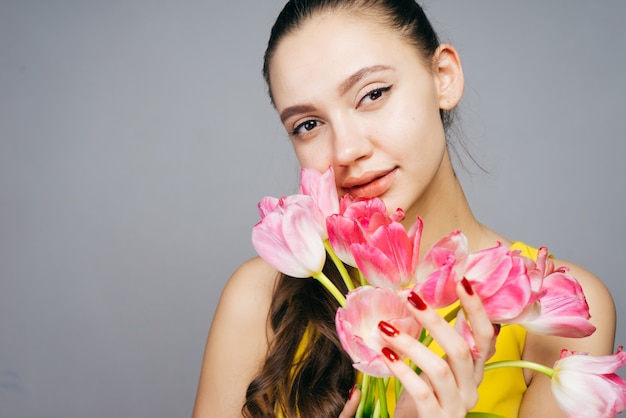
(238,340)
(246,298)
(250,287)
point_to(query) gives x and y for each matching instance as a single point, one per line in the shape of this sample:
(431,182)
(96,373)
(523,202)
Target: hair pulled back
(306,372)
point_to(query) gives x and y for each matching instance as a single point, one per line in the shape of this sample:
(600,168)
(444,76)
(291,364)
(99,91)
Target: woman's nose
(350,144)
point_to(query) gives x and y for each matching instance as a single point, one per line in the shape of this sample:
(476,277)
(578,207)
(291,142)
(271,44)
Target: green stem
(397,388)
(365,383)
(452,314)
(521,363)
(382,398)
(427,339)
(325,281)
(362,279)
(340,266)
(376,413)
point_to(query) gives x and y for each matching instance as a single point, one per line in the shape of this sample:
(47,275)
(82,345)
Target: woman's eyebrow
(294,110)
(360,74)
(344,87)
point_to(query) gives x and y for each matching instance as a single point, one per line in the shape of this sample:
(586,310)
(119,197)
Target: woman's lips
(373,188)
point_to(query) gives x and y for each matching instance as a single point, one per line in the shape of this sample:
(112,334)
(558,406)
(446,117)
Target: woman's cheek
(314,156)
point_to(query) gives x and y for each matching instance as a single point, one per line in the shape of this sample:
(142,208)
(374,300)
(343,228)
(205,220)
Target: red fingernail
(417,301)
(351,392)
(467,286)
(496,329)
(388,329)
(390,354)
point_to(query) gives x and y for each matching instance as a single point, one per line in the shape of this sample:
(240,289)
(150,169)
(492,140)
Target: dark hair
(306,372)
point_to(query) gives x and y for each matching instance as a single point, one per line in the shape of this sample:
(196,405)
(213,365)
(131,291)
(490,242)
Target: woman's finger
(483,331)
(458,362)
(435,389)
(349,410)
(423,398)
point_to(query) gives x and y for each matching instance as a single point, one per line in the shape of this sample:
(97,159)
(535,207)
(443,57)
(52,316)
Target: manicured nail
(496,329)
(467,286)
(351,392)
(390,354)
(417,301)
(388,329)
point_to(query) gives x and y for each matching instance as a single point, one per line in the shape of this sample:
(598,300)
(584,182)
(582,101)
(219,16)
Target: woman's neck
(444,208)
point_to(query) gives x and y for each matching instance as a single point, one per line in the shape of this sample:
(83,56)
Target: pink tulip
(587,386)
(388,257)
(564,310)
(543,267)
(501,279)
(266,205)
(357,325)
(356,221)
(322,188)
(290,236)
(463,328)
(342,233)
(441,268)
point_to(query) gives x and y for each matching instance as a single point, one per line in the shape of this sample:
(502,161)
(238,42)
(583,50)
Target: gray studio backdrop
(136,140)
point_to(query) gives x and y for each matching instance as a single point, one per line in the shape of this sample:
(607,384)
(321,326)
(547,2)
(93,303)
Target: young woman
(365,86)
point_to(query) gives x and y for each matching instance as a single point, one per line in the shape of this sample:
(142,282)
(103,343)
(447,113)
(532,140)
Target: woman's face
(355,96)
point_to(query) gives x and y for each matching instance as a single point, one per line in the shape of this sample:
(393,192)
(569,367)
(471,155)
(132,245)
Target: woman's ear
(448,76)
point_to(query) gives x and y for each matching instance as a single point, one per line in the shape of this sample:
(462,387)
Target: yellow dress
(502,389)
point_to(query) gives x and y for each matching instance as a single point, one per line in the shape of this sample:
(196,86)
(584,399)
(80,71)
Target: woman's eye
(375,94)
(305,127)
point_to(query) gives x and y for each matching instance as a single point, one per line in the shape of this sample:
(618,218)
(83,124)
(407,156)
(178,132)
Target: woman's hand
(446,387)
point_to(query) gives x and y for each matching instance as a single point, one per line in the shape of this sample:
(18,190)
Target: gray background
(136,140)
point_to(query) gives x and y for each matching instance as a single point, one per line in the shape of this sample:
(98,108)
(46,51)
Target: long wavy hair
(306,372)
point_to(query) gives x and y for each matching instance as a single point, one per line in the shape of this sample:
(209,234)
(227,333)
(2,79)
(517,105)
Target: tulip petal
(564,309)
(266,205)
(386,256)
(290,237)
(376,266)
(586,386)
(321,187)
(342,232)
(357,326)
(487,270)
(439,288)
(510,300)
(462,327)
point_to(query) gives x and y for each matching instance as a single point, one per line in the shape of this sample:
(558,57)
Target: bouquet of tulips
(298,232)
